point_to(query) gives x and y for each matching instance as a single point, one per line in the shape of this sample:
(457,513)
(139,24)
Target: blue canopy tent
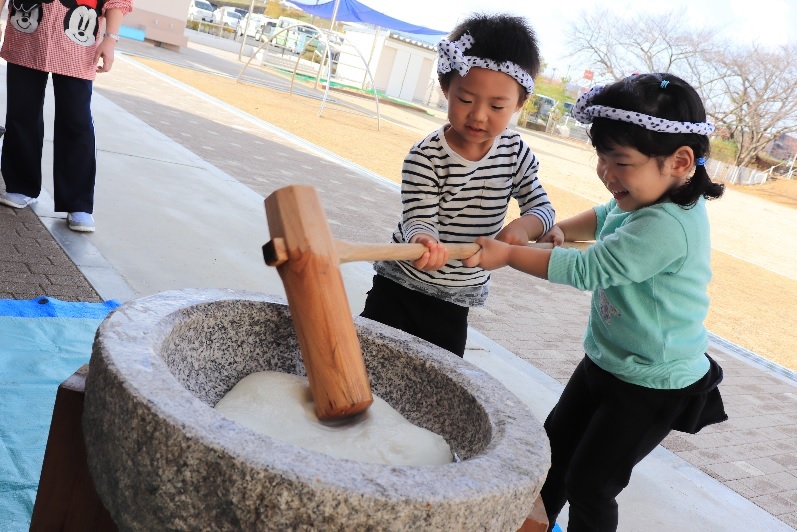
(354,11)
(345,11)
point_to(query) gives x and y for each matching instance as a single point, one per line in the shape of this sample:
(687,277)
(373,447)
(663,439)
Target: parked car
(200,10)
(296,37)
(267,29)
(316,47)
(227,16)
(259,27)
(537,109)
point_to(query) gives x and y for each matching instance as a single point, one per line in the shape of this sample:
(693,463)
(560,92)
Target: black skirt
(704,406)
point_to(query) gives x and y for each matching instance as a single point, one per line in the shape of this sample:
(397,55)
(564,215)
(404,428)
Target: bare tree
(593,38)
(618,46)
(755,97)
(749,93)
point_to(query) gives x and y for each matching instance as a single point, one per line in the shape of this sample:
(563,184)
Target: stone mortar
(163,459)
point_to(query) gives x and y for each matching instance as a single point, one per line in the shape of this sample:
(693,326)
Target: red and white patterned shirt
(58,36)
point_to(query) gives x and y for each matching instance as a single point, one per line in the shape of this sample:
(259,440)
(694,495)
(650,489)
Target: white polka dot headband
(452,57)
(585,113)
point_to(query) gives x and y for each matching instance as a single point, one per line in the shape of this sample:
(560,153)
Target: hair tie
(451,56)
(585,112)
(664,83)
(701,161)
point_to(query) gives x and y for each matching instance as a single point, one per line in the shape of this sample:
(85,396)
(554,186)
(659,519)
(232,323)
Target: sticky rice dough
(280,405)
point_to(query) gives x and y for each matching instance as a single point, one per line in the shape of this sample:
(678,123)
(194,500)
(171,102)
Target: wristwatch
(111,36)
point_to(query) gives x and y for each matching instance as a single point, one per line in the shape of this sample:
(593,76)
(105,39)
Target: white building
(162,23)
(402,68)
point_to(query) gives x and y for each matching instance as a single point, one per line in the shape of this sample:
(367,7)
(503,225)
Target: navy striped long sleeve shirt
(456,201)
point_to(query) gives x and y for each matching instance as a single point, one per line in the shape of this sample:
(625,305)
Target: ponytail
(700,184)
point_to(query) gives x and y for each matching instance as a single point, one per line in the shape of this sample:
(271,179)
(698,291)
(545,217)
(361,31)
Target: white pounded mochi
(280,405)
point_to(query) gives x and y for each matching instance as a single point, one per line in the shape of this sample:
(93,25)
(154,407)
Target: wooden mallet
(308,261)
(318,303)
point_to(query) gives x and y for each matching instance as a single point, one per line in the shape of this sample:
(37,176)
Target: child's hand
(492,255)
(436,253)
(555,236)
(513,234)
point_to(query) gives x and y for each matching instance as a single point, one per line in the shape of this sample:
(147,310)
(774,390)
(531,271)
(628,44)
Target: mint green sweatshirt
(648,270)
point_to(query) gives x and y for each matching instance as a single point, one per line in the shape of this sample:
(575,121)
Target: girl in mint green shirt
(646,371)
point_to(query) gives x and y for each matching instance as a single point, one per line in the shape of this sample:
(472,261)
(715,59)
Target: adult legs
(21,160)
(74,150)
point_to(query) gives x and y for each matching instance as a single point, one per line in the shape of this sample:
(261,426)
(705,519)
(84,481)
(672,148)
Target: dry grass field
(777,190)
(751,306)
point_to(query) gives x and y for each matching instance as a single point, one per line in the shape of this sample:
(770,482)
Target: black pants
(600,428)
(74,156)
(434,320)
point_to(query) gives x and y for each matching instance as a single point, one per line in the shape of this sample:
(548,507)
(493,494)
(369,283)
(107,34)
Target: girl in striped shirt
(457,183)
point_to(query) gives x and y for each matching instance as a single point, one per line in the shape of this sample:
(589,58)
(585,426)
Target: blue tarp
(354,11)
(42,342)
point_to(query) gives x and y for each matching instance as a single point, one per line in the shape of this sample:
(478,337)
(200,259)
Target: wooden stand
(66,499)
(537,521)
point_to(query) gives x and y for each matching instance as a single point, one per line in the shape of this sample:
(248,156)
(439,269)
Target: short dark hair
(499,38)
(677,101)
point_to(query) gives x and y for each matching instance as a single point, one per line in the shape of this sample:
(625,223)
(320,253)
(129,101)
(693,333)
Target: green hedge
(724,150)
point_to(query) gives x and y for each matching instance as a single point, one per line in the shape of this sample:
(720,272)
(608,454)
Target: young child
(457,182)
(646,371)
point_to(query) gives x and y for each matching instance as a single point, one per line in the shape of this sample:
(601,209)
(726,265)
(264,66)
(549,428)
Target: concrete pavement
(179,204)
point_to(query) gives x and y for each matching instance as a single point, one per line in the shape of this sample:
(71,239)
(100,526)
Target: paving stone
(779,504)
(12,267)
(767,465)
(790,518)
(730,471)
(769,484)
(787,461)
(678,444)
(29,255)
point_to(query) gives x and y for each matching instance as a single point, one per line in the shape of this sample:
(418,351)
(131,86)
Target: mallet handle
(352,251)
(275,253)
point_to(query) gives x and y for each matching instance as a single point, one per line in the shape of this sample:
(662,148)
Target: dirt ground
(778,190)
(750,306)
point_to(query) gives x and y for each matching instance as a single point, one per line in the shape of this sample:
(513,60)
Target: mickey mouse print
(25,15)
(57,36)
(80,23)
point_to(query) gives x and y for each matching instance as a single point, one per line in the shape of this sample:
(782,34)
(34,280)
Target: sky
(768,22)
